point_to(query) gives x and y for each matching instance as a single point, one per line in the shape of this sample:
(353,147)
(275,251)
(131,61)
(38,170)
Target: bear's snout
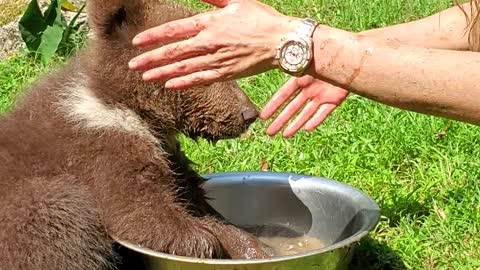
(249,114)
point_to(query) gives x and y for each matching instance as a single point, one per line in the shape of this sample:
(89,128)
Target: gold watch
(295,52)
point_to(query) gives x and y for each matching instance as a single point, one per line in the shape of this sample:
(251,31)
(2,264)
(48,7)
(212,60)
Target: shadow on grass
(404,206)
(373,255)
(370,254)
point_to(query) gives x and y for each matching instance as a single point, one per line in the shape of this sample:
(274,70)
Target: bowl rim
(364,231)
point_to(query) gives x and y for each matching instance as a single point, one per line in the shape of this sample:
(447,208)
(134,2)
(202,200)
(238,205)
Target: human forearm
(306,102)
(240,39)
(443,30)
(432,81)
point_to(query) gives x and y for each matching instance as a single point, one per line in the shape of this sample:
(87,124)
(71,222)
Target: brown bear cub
(90,153)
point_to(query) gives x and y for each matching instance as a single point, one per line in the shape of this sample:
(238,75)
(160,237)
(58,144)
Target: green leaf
(66,5)
(31,25)
(53,14)
(71,26)
(53,34)
(74,19)
(51,39)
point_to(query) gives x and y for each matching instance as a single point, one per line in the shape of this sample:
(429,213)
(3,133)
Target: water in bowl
(283,241)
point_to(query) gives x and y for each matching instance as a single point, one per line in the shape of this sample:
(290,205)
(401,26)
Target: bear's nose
(249,115)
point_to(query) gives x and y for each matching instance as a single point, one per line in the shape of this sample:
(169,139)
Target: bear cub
(90,154)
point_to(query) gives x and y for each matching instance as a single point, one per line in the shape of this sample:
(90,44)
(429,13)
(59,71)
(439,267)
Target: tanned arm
(307,102)
(443,30)
(240,39)
(432,81)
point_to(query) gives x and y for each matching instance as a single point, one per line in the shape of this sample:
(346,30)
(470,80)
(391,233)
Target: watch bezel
(305,43)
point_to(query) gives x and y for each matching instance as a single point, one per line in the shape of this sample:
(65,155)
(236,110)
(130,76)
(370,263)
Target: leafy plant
(48,33)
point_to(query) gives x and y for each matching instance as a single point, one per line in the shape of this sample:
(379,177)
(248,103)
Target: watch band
(297,44)
(307,28)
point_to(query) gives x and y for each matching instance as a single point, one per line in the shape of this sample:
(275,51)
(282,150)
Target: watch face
(295,55)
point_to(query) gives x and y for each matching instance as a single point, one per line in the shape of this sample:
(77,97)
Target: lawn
(423,171)
(11,9)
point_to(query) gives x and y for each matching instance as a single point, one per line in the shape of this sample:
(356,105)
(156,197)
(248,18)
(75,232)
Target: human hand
(235,41)
(320,100)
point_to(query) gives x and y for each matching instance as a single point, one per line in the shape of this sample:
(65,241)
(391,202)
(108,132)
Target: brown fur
(91,152)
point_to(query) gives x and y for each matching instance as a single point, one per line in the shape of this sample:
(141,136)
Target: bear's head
(215,111)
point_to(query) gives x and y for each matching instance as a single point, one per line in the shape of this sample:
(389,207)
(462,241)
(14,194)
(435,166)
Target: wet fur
(90,152)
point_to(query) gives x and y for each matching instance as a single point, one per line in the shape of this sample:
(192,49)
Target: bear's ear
(109,17)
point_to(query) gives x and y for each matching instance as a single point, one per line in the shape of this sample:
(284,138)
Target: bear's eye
(116,20)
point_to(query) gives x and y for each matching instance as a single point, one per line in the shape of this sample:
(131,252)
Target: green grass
(15,72)
(427,185)
(11,9)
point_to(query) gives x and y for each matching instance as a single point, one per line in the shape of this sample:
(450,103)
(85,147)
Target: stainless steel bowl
(335,213)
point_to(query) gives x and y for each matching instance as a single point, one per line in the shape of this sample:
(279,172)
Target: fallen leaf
(247,135)
(440,213)
(67,5)
(442,133)
(264,165)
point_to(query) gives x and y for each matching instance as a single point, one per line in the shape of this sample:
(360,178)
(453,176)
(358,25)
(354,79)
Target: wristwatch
(294,53)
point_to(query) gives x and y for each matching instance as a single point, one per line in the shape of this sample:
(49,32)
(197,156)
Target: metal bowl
(337,214)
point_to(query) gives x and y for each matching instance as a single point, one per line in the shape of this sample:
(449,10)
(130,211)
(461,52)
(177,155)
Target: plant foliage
(47,33)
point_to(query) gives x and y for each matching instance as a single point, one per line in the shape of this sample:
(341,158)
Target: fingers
(179,69)
(286,114)
(311,117)
(303,118)
(199,78)
(280,97)
(167,54)
(319,117)
(318,98)
(172,30)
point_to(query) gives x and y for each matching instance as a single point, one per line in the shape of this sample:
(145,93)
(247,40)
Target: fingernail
(137,41)
(147,76)
(133,64)
(271,132)
(169,84)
